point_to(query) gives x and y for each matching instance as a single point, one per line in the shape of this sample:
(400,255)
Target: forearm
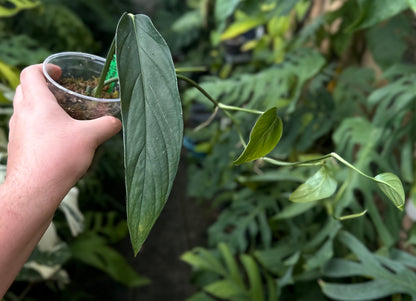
(48,152)
(25,214)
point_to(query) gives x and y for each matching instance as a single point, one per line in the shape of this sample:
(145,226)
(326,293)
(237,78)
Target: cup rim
(56,84)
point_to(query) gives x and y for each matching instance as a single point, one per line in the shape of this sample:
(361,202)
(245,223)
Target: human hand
(48,150)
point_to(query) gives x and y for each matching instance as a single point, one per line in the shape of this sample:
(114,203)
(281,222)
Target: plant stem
(311,162)
(195,84)
(216,104)
(191,69)
(345,162)
(106,82)
(232,108)
(317,162)
(98,90)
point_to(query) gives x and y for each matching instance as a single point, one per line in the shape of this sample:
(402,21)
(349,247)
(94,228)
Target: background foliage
(340,74)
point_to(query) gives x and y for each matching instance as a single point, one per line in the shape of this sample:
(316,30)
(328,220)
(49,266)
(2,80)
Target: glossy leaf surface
(152,121)
(264,136)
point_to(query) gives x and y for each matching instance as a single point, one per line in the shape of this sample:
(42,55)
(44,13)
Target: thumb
(103,128)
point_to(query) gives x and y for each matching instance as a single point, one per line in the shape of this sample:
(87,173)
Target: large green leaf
(373,12)
(152,121)
(264,136)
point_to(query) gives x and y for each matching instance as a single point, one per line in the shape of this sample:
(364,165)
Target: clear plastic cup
(83,66)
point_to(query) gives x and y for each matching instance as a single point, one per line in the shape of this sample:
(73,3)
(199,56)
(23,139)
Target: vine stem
(311,162)
(98,90)
(106,82)
(318,161)
(218,105)
(191,69)
(232,108)
(215,102)
(345,162)
(195,84)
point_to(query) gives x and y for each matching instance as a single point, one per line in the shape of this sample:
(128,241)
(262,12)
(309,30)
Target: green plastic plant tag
(112,72)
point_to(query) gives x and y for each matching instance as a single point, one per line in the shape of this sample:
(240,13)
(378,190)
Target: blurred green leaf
(225,289)
(241,26)
(412,4)
(320,186)
(203,259)
(192,20)
(293,210)
(224,9)
(93,250)
(388,41)
(388,276)
(9,74)
(200,297)
(373,12)
(11,7)
(254,277)
(55,28)
(259,90)
(21,50)
(231,264)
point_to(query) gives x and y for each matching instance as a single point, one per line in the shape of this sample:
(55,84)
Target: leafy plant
(390,273)
(229,283)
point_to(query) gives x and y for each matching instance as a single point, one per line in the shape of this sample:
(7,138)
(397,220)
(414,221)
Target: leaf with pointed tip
(152,121)
(392,187)
(264,136)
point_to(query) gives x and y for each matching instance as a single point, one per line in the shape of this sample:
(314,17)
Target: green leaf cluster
(228,275)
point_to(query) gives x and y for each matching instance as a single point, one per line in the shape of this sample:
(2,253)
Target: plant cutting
(151,113)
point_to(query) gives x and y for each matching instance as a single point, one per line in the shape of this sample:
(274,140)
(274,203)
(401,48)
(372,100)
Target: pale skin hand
(48,153)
